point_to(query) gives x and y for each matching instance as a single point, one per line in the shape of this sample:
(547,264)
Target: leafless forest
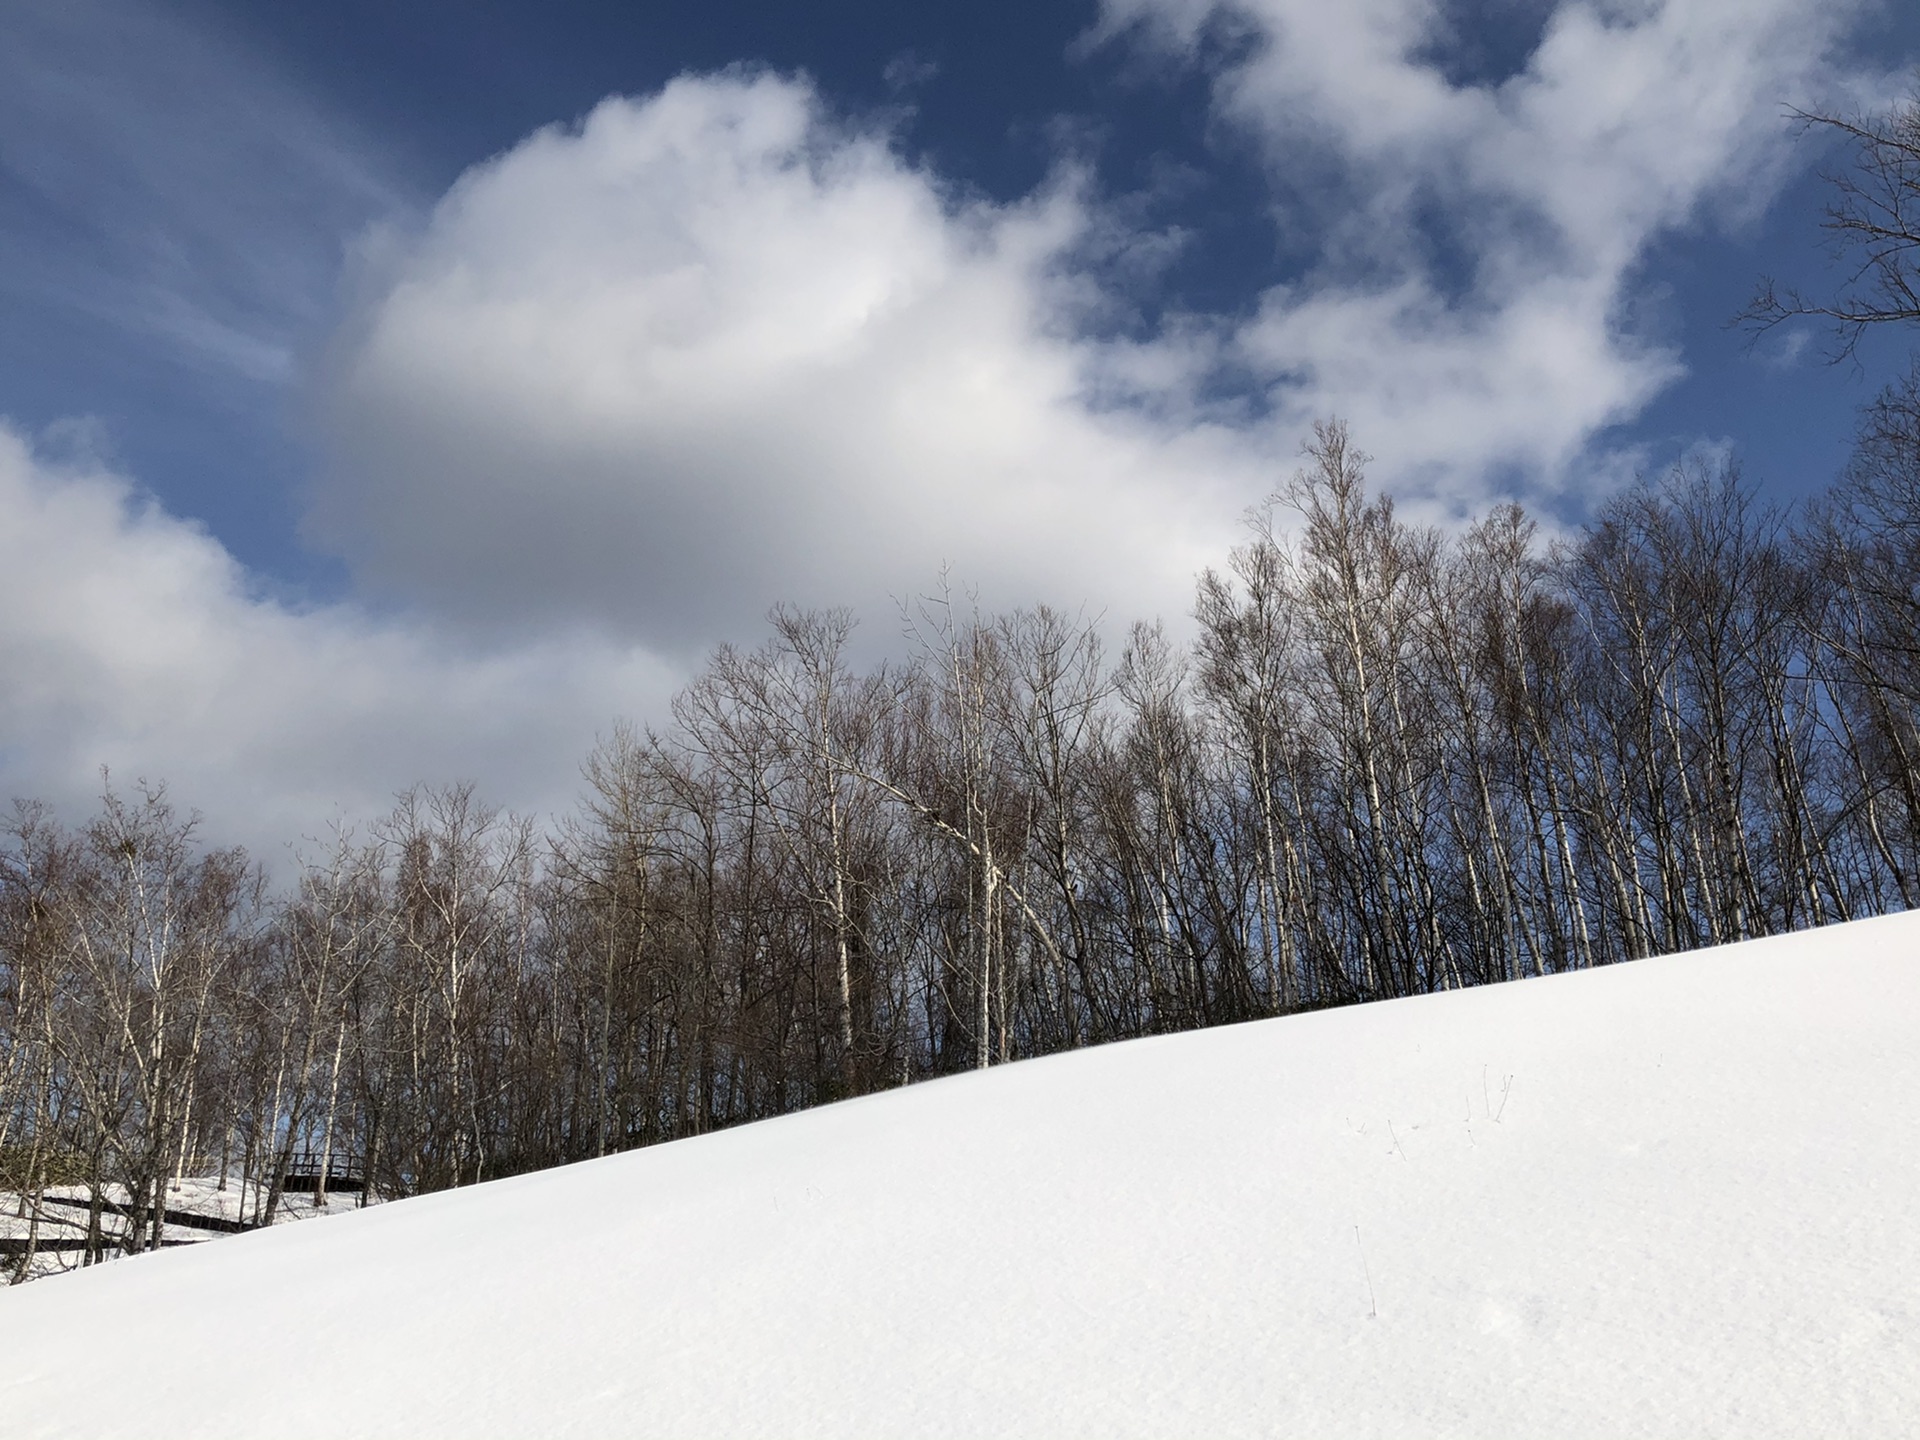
(1391,760)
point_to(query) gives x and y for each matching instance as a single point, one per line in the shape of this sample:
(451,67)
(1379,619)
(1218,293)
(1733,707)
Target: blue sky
(401,391)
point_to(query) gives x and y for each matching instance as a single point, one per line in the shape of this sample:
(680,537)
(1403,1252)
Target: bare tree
(1872,224)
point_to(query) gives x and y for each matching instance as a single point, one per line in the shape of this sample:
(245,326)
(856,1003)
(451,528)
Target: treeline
(1391,760)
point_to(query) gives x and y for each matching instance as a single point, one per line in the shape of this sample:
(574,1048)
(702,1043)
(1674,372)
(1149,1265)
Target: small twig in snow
(1373,1304)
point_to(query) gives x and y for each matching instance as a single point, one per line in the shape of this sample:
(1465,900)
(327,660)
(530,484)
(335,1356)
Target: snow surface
(1675,1198)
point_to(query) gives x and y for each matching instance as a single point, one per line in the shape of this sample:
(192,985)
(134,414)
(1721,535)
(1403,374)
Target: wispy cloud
(163,180)
(1477,240)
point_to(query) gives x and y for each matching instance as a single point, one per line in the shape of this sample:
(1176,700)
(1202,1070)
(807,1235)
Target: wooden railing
(302,1176)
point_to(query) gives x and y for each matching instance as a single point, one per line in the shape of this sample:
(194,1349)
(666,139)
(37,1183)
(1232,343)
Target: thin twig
(1373,1304)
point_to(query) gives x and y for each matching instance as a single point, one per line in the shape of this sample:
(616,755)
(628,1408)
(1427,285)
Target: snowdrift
(1674,1198)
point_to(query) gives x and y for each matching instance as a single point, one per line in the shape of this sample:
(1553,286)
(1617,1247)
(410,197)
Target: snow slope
(1676,1198)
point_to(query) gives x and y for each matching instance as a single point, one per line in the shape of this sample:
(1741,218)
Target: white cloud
(168,181)
(711,350)
(129,638)
(1543,190)
(635,380)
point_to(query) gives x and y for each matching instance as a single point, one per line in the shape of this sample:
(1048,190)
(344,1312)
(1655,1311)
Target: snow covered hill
(1675,1198)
